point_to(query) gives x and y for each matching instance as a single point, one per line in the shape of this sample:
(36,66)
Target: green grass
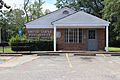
(114,49)
(111,49)
(7,49)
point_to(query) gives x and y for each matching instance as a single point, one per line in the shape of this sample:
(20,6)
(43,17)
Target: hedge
(114,43)
(4,44)
(33,46)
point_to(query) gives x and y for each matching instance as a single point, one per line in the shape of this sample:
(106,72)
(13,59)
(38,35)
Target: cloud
(49,6)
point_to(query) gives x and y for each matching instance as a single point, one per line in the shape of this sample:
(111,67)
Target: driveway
(66,67)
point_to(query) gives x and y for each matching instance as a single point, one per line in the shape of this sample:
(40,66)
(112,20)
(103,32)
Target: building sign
(20,32)
(58,34)
(40,34)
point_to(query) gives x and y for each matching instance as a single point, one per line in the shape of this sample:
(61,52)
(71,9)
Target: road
(66,67)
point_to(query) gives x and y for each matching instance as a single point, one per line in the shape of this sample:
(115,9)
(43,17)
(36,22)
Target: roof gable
(81,19)
(49,18)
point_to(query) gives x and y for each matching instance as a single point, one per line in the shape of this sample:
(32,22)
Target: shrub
(15,39)
(4,44)
(33,46)
(114,43)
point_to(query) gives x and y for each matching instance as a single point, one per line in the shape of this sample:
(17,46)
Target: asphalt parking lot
(66,67)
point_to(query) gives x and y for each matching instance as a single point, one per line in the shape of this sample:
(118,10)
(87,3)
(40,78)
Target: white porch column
(54,38)
(107,38)
(0,33)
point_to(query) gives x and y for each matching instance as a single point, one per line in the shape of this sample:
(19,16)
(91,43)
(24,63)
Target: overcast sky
(49,4)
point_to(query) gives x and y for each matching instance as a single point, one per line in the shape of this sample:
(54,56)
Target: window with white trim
(73,35)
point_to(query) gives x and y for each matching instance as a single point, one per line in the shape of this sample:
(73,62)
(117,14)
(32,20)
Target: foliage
(26,2)
(91,6)
(4,5)
(33,46)
(10,22)
(33,10)
(47,11)
(112,12)
(17,38)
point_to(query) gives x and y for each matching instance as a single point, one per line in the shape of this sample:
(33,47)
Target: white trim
(107,39)
(39,26)
(65,26)
(54,38)
(82,35)
(68,35)
(77,35)
(80,26)
(0,34)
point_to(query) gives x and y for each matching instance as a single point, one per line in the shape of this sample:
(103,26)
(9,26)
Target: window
(91,34)
(73,35)
(65,12)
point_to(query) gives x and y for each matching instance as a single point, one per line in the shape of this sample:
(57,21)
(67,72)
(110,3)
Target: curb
(84,54)
(46,54)
(115,54)
(10,54)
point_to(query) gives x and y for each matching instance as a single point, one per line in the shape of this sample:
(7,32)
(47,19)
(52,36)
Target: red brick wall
(101,38)
(61,45)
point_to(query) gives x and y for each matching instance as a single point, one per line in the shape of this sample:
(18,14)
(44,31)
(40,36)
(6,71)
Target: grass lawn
(6,49)
(111,49)
(114,49)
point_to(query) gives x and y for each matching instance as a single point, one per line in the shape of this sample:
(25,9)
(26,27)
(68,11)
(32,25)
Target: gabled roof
(81,19)
(46,20)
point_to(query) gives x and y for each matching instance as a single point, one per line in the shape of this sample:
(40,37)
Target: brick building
(70,30)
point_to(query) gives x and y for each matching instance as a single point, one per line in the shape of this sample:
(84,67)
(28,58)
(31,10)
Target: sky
(49,4)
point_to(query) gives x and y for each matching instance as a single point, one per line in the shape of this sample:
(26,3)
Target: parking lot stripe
(68,59)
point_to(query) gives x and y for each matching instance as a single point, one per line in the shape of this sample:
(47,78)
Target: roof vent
(65,12)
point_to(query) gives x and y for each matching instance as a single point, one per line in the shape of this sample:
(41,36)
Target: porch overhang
(81,20)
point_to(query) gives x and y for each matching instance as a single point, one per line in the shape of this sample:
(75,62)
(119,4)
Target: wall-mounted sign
(20,31)
(40,34)
(58,34)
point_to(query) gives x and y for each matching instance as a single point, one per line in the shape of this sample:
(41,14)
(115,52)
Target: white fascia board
(82,25)
(39,26)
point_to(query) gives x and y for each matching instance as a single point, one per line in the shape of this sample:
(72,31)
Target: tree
(3,4)
(26,2)
(112,13)
(47,11)
(35,10)
(91,6)
(10,22)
